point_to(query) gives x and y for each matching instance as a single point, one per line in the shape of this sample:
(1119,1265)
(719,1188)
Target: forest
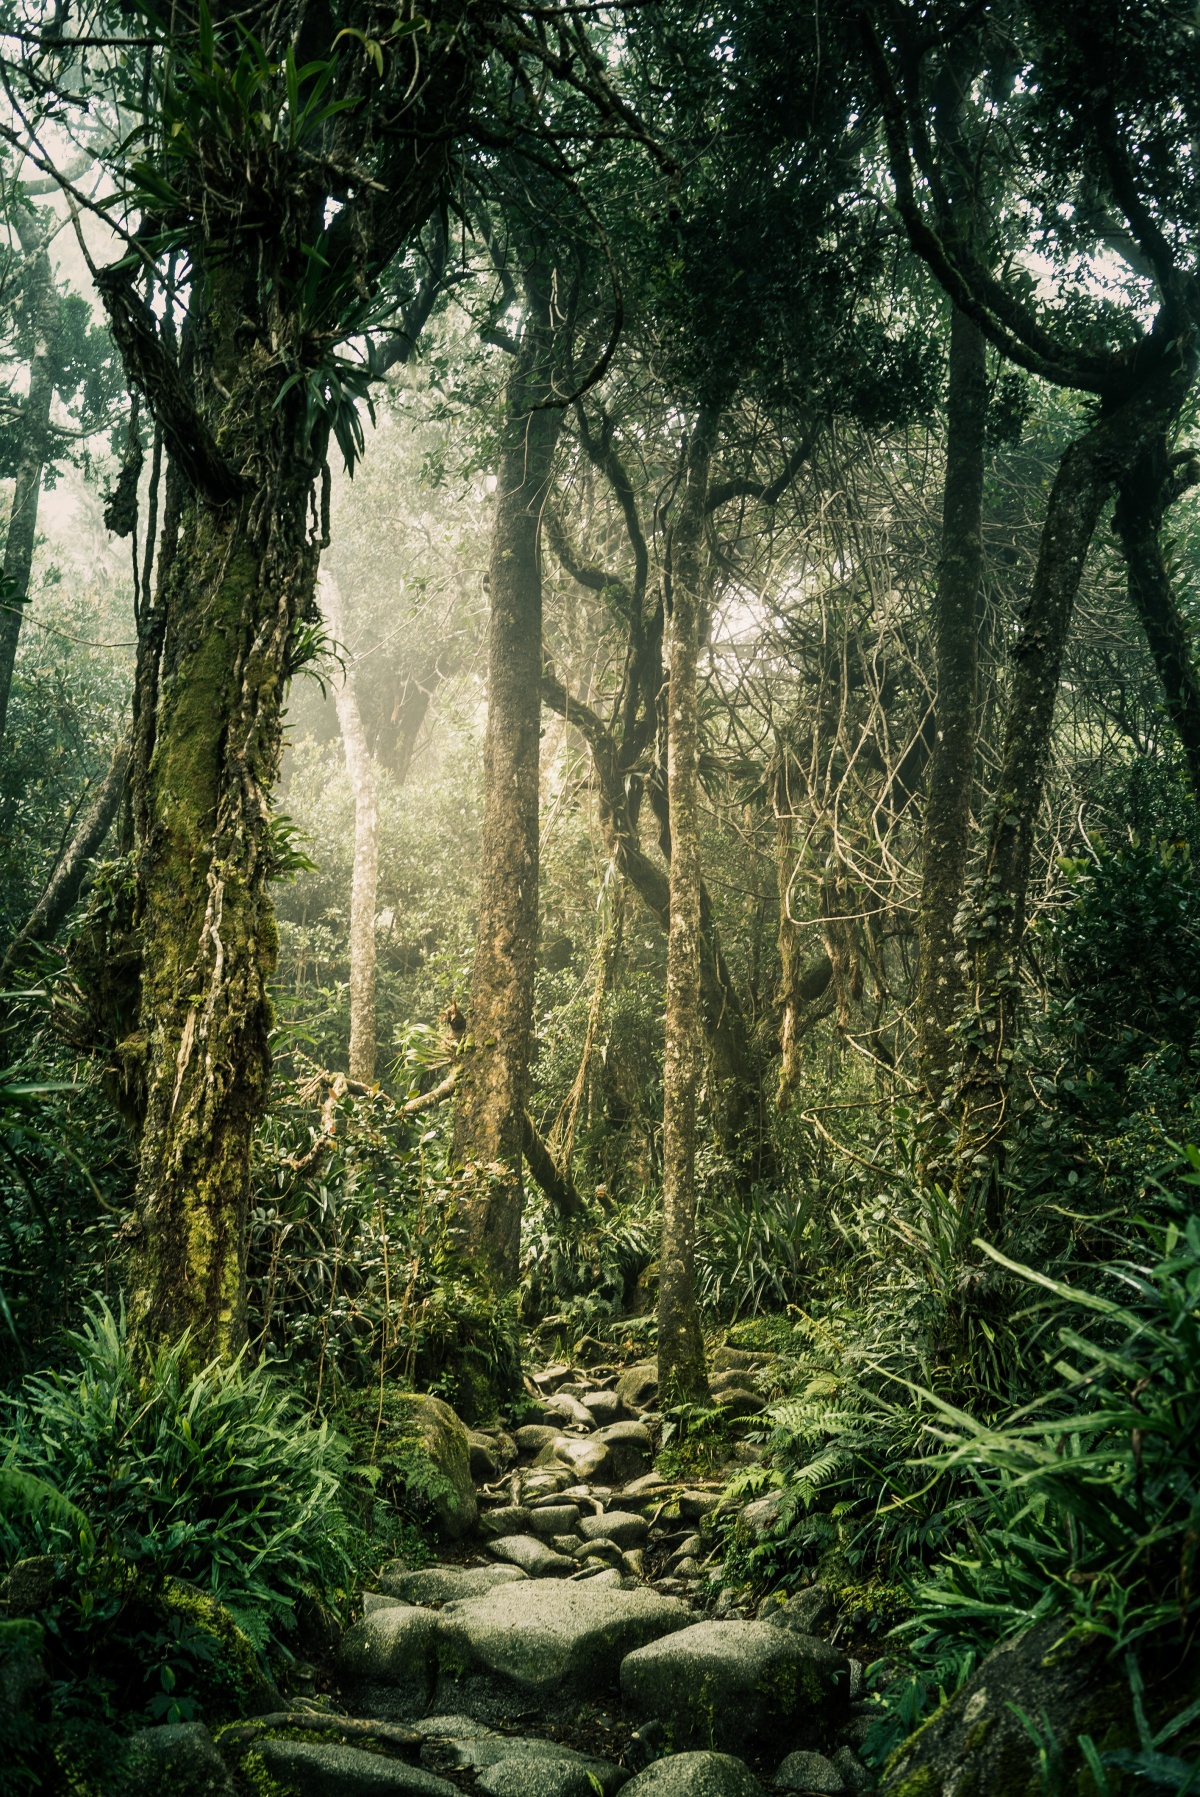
(600,931)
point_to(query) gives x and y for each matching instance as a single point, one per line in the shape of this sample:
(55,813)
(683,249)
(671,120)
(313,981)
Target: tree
(493,1083)
(681,1372)
(1104,110)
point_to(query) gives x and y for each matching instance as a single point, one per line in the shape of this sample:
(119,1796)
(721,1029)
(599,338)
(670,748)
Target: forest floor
(577,1637)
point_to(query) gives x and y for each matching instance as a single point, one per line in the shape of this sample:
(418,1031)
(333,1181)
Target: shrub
(214,1479)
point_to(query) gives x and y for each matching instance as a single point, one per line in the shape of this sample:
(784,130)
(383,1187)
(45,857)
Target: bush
(214,1479)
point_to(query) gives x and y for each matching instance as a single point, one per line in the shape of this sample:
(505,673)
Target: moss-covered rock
(731,1685)
(437,1460)
(177,1760)
(977,1744)
(235,1660)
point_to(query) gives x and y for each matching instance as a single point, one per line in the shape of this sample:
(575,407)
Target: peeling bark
(364,883)
(489,1126)
(681,1371)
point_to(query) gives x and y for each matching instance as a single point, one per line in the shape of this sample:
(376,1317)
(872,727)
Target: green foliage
(215,1479)
(353,1268)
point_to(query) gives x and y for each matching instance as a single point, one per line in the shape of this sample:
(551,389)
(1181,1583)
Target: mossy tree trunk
(236,589)
(364,881)
(1088,474)
(682,1376)
(956,651)
(245,408)
(1154,482)
(489,1126)
(43,324)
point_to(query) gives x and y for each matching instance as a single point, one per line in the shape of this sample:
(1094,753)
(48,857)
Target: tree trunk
(1145,493)
(489,1121)
(682,1376)
(1087,475)
(241,579)
(365,880)
(43,314)
(956,651)
(66,882)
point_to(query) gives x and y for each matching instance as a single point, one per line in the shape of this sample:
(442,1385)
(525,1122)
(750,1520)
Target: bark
(245,411)
(1088,474)
(1145,493)
(365,879)
(682,1376)
(66,882)
(240,580)
(43,316)
(956,651)
(489,1126)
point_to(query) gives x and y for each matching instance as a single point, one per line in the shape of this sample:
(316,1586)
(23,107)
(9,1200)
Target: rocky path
(575,1643)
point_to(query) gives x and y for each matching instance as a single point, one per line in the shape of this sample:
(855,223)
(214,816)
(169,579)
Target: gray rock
(737,1404)
(452,1728)
(852,1770)
(315,1770)
(390,1657)
(379,1600)
(548,1481)
(536,1778)
(564,1544)
(532,1556)
(553,1519)
(686,1550)
(565,1409)
(629,1449)
(810,1772)
(694,1506)
(809,1612)
(637,1388)
(547,1638)
(735,1684)
(484,1460)
(734,1360)
(551,1377)
(650,1485)
(179,1759)
(586,1455)
(535,1756)
(687,1567)
(608,1551)
(603,1407)
(511,1519)
(695,1775)
(531,1438)
(621,1526)
(757,1520)
(734,1379)
(437,1432)
(445,1584)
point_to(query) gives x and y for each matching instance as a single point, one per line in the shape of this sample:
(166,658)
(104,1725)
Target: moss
(921,1783)
(260,1781)
(899,1754)
(208,1617)
(978,1735)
